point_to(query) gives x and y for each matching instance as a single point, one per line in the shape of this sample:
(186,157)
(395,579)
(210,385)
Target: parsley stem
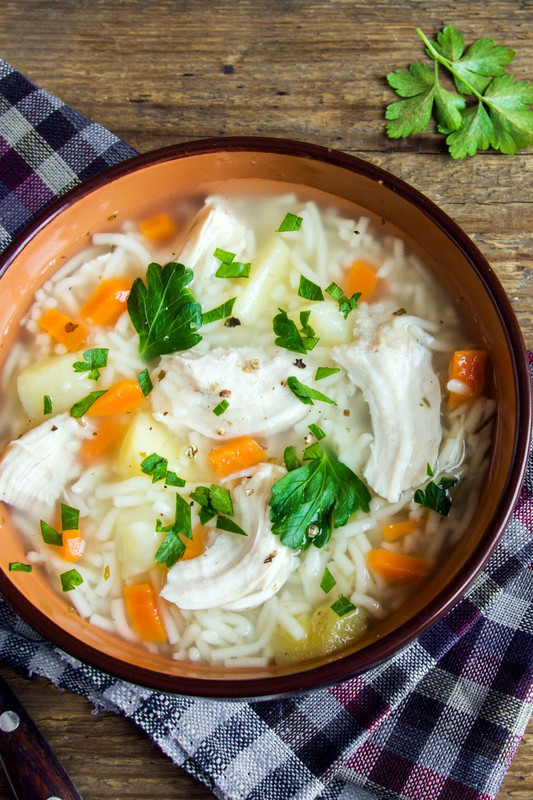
(449,66)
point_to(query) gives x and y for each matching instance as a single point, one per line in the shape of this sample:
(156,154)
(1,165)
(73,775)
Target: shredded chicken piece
(260,403)
(394,372)
(36,467)
(236,571)
(213,227)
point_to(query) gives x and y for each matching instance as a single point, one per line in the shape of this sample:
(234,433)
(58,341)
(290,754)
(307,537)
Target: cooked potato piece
(137,540)
(267,273)
(144,437)
(54,377)
(329,324)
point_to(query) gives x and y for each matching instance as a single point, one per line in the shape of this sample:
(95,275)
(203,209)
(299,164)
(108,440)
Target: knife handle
(32,769)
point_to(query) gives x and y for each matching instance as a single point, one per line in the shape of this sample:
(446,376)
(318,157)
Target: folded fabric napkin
(441,720)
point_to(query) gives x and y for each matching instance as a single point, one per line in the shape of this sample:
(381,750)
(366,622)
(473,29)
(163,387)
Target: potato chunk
(55,377)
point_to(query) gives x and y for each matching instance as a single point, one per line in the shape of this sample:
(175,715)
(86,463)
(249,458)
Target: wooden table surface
(157,73)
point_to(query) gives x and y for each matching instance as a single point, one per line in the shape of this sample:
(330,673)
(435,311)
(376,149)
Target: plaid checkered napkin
(441,720)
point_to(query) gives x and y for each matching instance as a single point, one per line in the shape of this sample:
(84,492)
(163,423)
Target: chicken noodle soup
(242,431)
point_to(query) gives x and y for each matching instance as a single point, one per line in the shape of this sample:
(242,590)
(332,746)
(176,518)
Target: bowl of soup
(265,414)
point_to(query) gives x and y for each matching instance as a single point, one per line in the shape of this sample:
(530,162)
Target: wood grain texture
(166,71)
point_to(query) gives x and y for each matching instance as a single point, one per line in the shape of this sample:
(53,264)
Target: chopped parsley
(145,382)
(328,581)
(82,406)
(93,361)
(343,606)
(317,432)
(436,496)
(309,290)
(70,579)
(47,404)
(70,518)
(345,304)
(325,372)
(290,458)
(157,466)
(18,566)
(50,535)
(429,471)
(306,393)
(291,222)
(226,524)
(164,312)
(220,312)
(222,406)
(287,334)
(172,549)
(215,501)
(315,498)
(309,339)
(224,255)
(230,268)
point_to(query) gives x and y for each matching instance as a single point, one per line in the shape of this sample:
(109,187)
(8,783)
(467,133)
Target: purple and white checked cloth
(441,720)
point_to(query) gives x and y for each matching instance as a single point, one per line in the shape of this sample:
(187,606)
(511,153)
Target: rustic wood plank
(158,72)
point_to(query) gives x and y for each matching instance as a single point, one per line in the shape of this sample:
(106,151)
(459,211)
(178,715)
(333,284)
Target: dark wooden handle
(32,769)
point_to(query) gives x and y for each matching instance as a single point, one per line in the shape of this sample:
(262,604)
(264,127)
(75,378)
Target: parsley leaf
(290,458)
(82,406)
(220,312)
(290,222)
(435,496)
(70,518)
(47,404)
(234,270)
(306,393)
(498,114)
(225,524)
(93,361)
(325,372)
(50,535)
(213,500)
(343,606)
(222,406)
(156,466)
(310,500)
(70,579)
(172,549)
(287,334)
(328,581)
(309,290)
(164,312)
(317,432)
(145,382)
(18,566)
(345,304)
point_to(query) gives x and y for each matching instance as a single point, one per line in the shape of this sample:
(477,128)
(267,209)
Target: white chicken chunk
(236,571)
(260,403)
(36,467)
(395,374)
(213,227)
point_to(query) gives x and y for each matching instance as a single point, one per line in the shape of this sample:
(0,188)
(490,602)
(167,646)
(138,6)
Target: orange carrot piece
(195,546)
(73,545)
(397,567)
(63,329)
(394,530)
(361,278)
(467,366)
(102,440)
(158,228)
(235,455)
(107,302)
(143,612)
(121,397)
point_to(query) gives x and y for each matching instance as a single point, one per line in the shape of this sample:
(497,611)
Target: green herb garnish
(287,334)
(345,304)
(70,518)
(145,382)
(47,404)
(222,406)
(497,114)
(18,566)
(171,479)
(435,496)
(164,312)
(317,432)
(50,535)
(230,268)
(306,393)
(429,471)
(309,290)
(82,406)
(291,222)
(215,501)
(157,466)
(70,579)
(325,372)
(172,549)
(311,500)
(220,312)
(343,606)
(290,458)
(226,524)
(308,334)
(328,581)
(224,255)
(93,361)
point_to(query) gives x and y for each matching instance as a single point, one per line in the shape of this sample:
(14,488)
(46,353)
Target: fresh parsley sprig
(93,361)
(288,335)
(498,112)
(311,500)
(164,312)
(436,496)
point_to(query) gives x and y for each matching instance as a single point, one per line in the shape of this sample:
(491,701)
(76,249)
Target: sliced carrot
(157,228)
(467,366)
(101,442)
(195,546)
(235,455)
(63,329)
(121,397)
(143,612)
(361,278)
(394,530)
(107,302)
(73,545)
(397,567)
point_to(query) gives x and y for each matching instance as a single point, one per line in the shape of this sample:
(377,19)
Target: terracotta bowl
(141,183)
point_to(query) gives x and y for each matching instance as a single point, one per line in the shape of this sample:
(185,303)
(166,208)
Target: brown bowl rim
(354,664)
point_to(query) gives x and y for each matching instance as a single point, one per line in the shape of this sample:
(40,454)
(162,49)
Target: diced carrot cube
(361,278)
(158,228)
(235,455)
(63,329)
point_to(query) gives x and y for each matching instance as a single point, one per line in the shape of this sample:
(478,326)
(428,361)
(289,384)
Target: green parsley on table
(483,107)
(164,312)
(311,500)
